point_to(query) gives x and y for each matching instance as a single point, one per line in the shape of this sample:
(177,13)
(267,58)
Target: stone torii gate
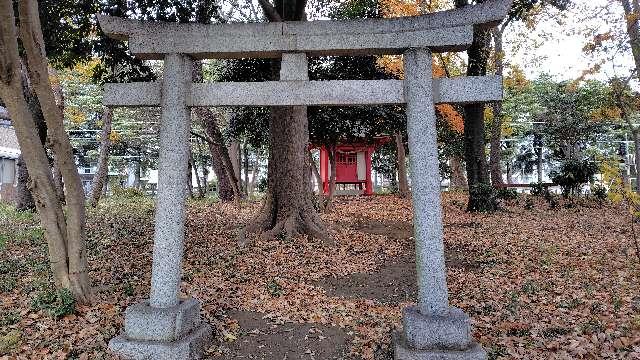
(166,327)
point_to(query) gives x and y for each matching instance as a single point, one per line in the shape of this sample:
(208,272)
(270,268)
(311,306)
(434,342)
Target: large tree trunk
(401,159)
(474,144)
(102,172)
(228,189)
(288,208)
(24,199)
(495,156)
(65,236)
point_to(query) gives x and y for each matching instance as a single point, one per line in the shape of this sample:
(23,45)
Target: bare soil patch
(260,338)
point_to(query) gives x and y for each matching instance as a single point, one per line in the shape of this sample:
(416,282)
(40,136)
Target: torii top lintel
(450,30)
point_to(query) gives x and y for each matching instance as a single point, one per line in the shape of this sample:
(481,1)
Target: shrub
(56,302)
(539,189)
(572,174)
(482,198)
(507,194)
(127,192)
(599,192)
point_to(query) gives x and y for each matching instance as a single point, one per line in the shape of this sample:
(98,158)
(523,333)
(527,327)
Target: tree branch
(269,11)
(204,138)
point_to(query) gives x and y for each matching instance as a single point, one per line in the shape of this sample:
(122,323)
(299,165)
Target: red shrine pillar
(324,170)
(369,184)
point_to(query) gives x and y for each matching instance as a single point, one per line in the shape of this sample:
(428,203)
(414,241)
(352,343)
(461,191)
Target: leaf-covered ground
(539,283)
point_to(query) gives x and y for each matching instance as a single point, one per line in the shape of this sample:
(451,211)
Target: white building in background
(9,153)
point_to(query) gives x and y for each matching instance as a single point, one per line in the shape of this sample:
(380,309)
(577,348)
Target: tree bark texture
(458,180)
(495,155)
(24,199)
(228,189)
(333,173)
(288,208)
(65,236)
(102,172)
(401,159)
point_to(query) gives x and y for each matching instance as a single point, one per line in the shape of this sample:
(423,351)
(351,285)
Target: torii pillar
(432,329)
(167,327)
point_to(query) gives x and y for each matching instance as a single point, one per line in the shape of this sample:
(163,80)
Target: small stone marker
(166,327)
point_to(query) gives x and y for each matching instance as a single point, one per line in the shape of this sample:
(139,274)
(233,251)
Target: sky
(558,47)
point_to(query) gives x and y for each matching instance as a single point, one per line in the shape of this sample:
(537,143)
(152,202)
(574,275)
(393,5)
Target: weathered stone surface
(425,187)
(287,93)
(443,331)
(154,46)
(190,347)
(143,322)
(132,94)
(485,14)
(175,125)
(401,351)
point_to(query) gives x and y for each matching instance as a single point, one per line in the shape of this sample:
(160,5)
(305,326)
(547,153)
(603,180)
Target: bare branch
(270,11)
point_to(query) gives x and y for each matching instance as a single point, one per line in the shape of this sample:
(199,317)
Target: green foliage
(539,189)
(9,317)
(263,183)
(10,341)
(572,174)
(55,302)
(506,194)
(127,193)
(274,288)
(482,198)
(599,191)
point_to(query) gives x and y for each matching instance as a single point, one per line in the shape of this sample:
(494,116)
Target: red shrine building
(353,168)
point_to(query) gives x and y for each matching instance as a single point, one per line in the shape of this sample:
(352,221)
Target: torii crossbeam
(167,327)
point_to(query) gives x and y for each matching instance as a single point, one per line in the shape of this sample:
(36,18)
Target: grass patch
(56,303)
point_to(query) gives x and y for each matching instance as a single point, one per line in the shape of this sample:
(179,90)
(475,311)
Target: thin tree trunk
(195,170)
(223,168)
(332,177)
(401,159)
(474,144)
(254,175)
(316,173)
(458,180)
(24,199)
(190,177)
(495,156)
(636,143)
(245,162)
(65,235)
(102,172)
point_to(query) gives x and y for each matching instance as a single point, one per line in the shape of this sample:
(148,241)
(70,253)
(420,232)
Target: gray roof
(9,147)
(4,113)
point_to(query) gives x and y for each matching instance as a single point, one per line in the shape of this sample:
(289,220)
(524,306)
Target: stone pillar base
(401,351)
(190,347)
(445,336)
(175,333)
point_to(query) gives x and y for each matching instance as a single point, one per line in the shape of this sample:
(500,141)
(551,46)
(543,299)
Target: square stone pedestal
(436,337)
(175,333)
